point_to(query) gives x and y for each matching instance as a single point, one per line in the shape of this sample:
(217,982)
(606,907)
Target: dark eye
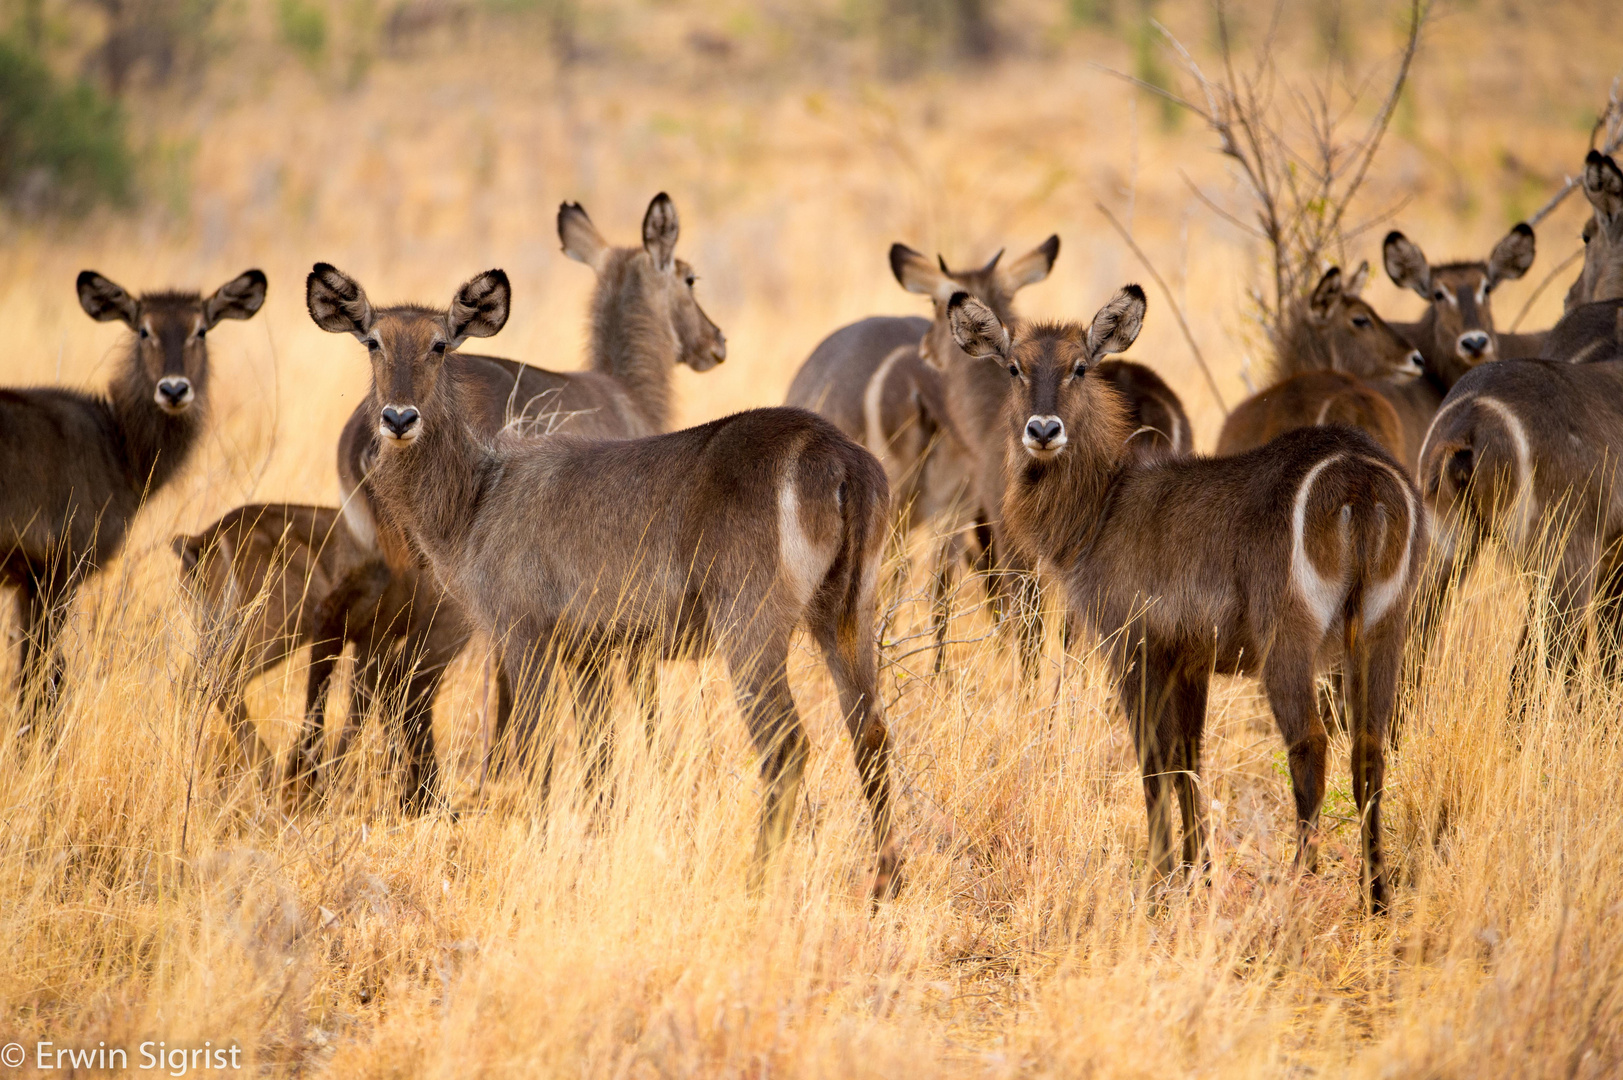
(1014,369)
(144,333)
(372,345)
(1361,321)
(201,333)
(691,278)
(439,348)
(1439,295)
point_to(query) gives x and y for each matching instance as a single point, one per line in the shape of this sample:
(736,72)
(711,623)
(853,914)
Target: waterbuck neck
(156,444)
(631,338)
(1053,508)
(432,488)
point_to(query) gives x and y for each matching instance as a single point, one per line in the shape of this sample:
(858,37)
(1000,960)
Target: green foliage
(1149,67)
(62,145)
(1094,12)
(304,27)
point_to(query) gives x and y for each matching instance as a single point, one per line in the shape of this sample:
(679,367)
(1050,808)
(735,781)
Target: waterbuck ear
(1031,267)
(580,238)
(104,301)
(1116,326)
(1512,256)
(1603,183)
(479,308)
(1355,284)
(1406,264)
(188,548)
(975,328)
(659,232)
(916,275)
(337,302)
(239,298)
(1326,294)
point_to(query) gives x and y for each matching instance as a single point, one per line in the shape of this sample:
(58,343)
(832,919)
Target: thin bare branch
(1172,302)
(1610,121)
(1542,285)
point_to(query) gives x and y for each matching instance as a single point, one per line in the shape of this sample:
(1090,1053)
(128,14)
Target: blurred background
(416,142)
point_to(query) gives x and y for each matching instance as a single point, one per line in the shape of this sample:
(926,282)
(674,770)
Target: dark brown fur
(1312,399)
(1335,329)
(78,466)
(1602,275)
(1187,567)
(1457,331)
(723,537)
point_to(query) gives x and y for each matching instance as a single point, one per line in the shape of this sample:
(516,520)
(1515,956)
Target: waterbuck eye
(1014,369)
(372,345)
(1361,321)
(439,348)
(144,333)
(691,278)
(1439,295)
(201,332)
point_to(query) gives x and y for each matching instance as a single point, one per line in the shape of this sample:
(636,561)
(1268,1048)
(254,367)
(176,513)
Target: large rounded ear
(1116,326)
(916,275)
(1512,256)
(1355,284)
(580,238)
(1603,183)
(975,328)
(239,298)
(1031,267)
(1406,264)
(337,302)
(480,307)
(104,301)
(659,232)
(1326,294)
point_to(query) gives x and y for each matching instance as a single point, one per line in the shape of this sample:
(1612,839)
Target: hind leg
(1372,683)
(1144,691)
(1187,704)
(305,759)
(760,678)
(1288,678)
(847,646)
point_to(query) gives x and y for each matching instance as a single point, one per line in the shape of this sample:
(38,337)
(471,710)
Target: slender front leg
(760,679)
(595,725)
(1143,689)
(305,759)
(1288,677)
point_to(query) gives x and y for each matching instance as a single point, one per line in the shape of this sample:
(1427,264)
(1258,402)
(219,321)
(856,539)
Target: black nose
(1043,432)
(1475,343)
(174,391)
(399,421)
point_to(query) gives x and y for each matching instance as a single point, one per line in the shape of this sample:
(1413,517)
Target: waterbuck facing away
(77,466)
(645,320)
(1602,275)
(721,537)
(1271,563)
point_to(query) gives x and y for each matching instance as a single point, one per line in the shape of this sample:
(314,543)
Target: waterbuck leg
(1288,678)
(532,738)
(305,759)
(643,665)
(256,756)
(595,725)
(41,609)
(1372,691)
(847,645)
(1143,691)
(948,556)
(1188,705)
(760,679)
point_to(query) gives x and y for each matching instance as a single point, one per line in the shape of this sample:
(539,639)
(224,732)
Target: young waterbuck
(269,579)
(1331,354)
(723,537)
(1457,333)
(645,320)
(77,466)
(1602,275)
(1270,563)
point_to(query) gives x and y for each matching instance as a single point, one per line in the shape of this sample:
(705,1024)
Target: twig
(1610,121)
(1171,301)
(1551,276)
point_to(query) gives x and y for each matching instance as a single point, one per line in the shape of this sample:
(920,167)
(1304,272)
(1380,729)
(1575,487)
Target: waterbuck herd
(556,518)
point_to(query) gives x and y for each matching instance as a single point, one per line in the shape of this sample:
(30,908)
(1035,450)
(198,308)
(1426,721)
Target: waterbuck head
(651,277)
(1054,404)
(1602,276)
(1458,326)
(994,285)
(407,344)
(1338,330)
(170,355)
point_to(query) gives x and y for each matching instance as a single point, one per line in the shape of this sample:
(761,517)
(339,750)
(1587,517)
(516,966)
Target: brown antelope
(269,579)
(723,537)
(1268,563)
(645,320)
(1457,333)
(78,466)
(1332,352)
(1526,451)
(1602,275)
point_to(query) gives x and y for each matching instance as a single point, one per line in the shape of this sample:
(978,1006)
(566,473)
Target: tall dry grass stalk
(146,893)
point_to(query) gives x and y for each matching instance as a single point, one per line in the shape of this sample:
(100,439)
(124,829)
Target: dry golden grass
(142,897)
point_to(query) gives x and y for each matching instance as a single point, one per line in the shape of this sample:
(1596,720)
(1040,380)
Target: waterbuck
(1527,452)
(1457,333)
(645,320)
(1331,352)
(1269,563)
(723,537)
(77,466)
(1602,275)
(269,579)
